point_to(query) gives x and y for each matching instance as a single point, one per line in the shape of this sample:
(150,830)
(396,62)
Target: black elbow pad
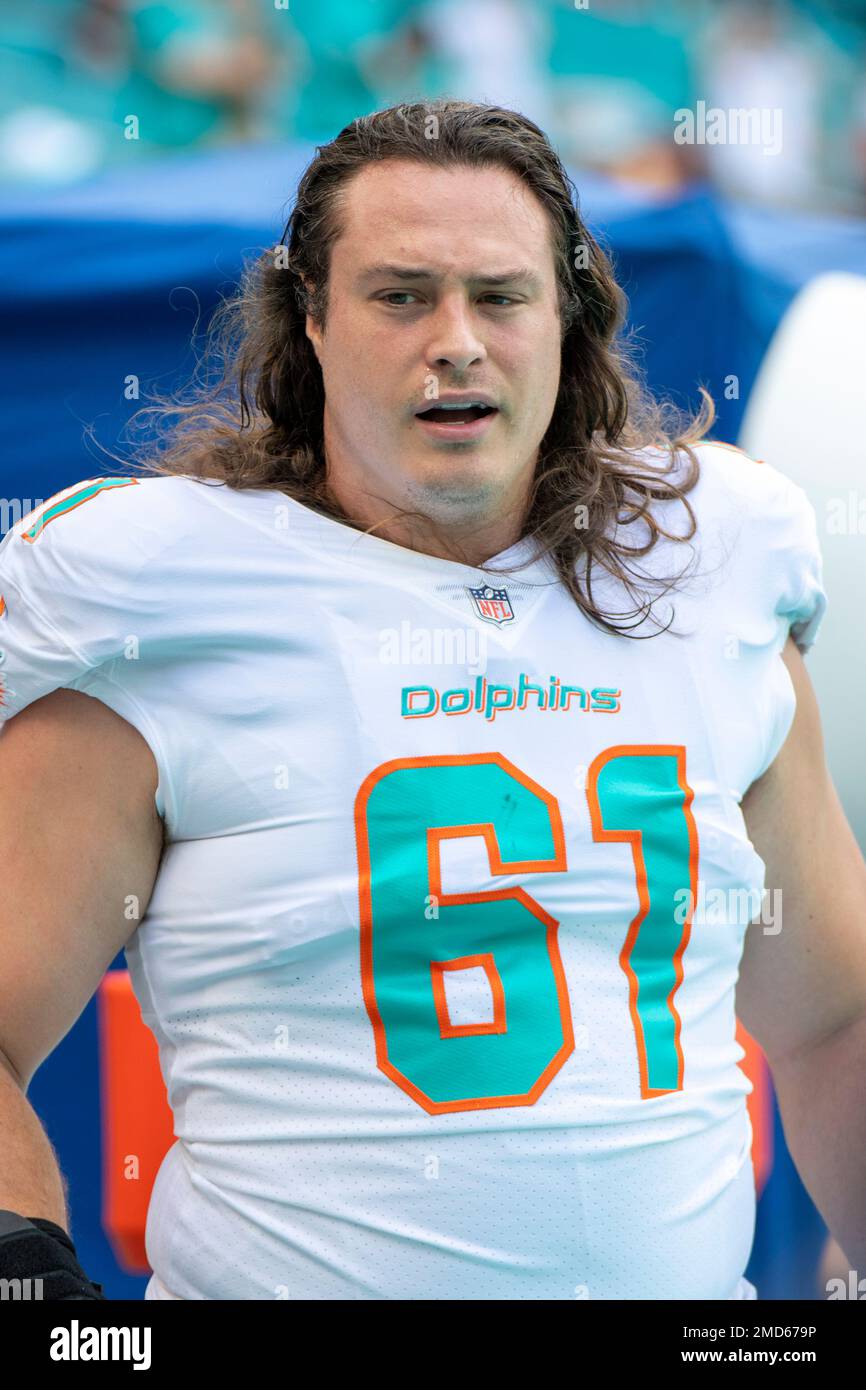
(33,1248)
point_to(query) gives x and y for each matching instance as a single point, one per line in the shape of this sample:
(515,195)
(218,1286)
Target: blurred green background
(86,84)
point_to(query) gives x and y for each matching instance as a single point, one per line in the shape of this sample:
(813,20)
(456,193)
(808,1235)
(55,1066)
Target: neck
(471,542)
(472,546)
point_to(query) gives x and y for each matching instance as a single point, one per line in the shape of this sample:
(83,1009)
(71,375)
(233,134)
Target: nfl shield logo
(493,605)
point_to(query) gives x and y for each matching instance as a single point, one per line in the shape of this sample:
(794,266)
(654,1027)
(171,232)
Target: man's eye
(405,295)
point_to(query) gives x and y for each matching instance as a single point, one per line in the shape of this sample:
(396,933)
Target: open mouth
(456,415)
(455,421)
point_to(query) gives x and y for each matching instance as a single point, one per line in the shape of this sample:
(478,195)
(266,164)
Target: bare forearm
(30,1179)
(823,1109)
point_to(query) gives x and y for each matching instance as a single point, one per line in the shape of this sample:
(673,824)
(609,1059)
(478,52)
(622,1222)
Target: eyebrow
(521,275)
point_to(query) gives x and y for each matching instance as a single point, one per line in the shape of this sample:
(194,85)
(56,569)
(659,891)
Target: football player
(438,703)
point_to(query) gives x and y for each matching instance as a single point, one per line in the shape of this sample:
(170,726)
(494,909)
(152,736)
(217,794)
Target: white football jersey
(442,951)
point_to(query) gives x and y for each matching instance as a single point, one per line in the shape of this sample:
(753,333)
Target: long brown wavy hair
(252,417)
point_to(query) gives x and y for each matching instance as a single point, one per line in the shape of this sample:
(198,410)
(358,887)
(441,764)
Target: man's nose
(454,339)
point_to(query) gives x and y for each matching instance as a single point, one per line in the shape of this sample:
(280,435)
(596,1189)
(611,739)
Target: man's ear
(314,333)
(312,328)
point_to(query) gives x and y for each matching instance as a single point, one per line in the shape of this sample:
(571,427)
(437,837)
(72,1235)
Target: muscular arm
(802,993)
(79,834)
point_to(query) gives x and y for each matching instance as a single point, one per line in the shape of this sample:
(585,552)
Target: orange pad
(137,1123)
(760,1104)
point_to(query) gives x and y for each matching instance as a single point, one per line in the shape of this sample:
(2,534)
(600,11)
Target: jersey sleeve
(787,566)
(802,600)
(761,581)
(78,601)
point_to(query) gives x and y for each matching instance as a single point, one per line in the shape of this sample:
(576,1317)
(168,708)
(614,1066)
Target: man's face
(417,310)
